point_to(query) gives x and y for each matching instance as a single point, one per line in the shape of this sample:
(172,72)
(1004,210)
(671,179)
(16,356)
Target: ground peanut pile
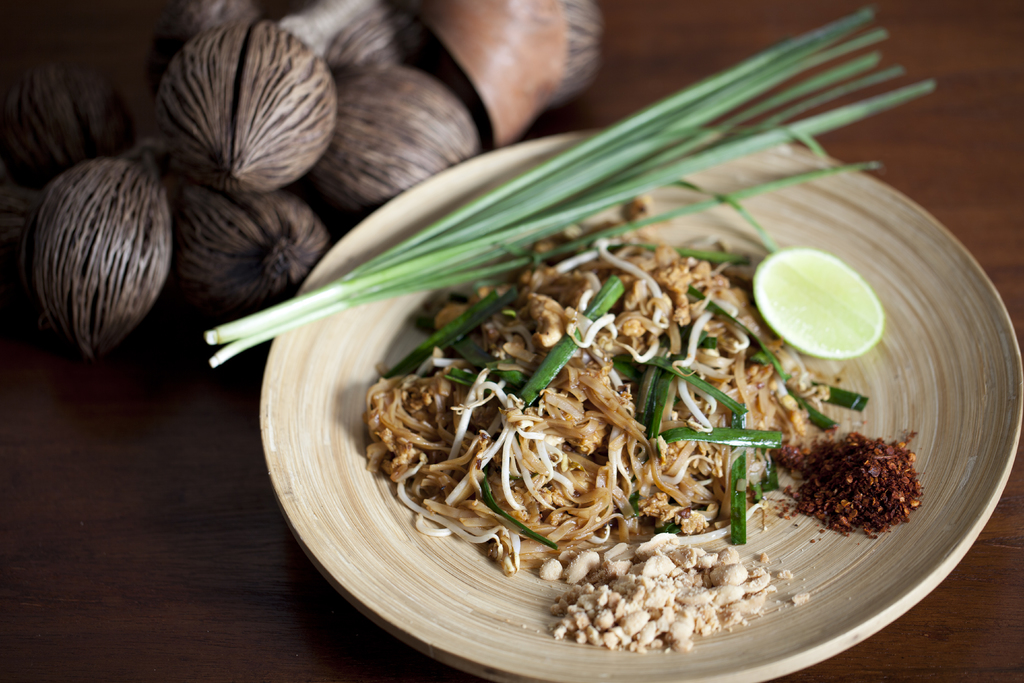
(659,596)
(855,482)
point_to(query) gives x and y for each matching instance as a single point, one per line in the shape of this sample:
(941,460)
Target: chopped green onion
(760,357)
(821,420)
(695,380)
(453,331)
(758,492)
(563,350)
(660,400)
(846,399)
(771,477)
(645,398)
(462,376)
(668,528)
(727,436)
(625,368)
(485,489)
(703,255)
(738,503)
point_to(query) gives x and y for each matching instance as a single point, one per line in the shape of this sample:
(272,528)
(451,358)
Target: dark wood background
(139,535)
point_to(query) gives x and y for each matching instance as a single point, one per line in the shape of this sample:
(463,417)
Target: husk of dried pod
(181,20)
(15,206)
(246,108)
(57,115)
(235,253)
(381,33)
(396,127)
(96,251)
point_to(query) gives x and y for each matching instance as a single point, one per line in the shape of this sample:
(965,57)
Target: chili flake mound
(856,482)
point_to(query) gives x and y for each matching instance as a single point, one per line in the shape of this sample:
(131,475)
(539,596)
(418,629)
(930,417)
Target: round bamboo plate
(948,368)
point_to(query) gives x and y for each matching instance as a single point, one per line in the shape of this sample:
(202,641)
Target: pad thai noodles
(625,391)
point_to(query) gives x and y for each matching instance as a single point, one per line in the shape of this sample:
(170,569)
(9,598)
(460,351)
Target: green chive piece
(758,492)
(645,397)
(738,518)
(471,318)
(821,420)
(462,376)
(626,369)
(703,255)
(846,398)
(562,351)
(471,351)
(760,357)
(726,436)
(634,502)
(771,477)
(660,402)
(668,528)
(694,380)
(485,489)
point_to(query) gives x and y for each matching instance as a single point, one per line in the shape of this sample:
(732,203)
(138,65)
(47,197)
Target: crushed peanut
(656,596)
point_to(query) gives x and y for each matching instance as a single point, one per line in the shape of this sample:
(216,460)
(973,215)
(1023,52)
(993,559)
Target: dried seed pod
(181,20)
(15,206)
(381,34)
(56,115)
(396,126)
(96,251)
(246,107)
(236,252)
(584,25)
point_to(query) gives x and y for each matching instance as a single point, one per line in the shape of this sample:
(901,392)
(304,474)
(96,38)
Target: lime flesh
(818,304)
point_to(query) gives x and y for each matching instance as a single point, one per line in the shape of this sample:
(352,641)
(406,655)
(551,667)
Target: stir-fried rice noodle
(577,467)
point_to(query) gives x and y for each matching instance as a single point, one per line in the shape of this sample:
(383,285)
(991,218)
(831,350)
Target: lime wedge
(818,304)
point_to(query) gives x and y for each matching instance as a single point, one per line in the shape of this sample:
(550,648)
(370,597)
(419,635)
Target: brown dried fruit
(235,253)
(56,115)
(96,252)
(396,127)
(246,108)
(381,34)
(181,20)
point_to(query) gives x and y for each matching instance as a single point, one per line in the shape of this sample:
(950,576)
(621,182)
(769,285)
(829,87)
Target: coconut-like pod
(181,20)
(235,253)
(381,34)
(246,108)
(15,206)
(396,127)
(96,252)
(57,115)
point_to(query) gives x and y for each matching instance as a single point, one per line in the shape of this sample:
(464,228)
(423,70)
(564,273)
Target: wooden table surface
(139,534)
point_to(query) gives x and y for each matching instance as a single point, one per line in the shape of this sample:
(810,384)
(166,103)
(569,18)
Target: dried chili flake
(856,482)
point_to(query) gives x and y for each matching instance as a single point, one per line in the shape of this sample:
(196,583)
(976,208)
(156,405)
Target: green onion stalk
(737,112)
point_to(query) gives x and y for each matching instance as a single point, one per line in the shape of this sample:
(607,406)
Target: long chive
(485,489)
(695,380)
(846,399)
(563,350)
(738,502)
(821,420)
(461,326)
(726,436)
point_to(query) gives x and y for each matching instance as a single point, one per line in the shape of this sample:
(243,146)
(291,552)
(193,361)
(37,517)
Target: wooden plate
(948,368)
